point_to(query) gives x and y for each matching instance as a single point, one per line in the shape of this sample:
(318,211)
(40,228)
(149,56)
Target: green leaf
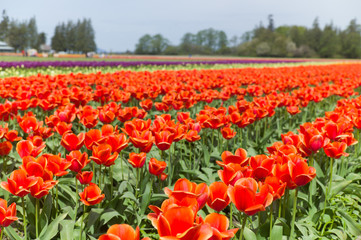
(145,198)
(277,231)
(206,155)
(107,215)
(11,232)
(67,229)
(339,186)
(249,234)
(52,229)
(352,225)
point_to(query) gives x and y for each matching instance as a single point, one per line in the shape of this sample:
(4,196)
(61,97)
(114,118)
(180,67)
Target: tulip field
(195,152)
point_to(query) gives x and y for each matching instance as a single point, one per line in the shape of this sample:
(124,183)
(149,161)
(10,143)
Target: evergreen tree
(32,34)
(351,40)
(4,26)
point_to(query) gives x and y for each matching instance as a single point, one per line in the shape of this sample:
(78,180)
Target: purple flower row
(36,64)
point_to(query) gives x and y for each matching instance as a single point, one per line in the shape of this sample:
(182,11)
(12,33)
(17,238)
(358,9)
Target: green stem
(170,166)
(57,200)
(100,175)
(24,219)
(2,232)
(294,215)
(270,219)
(111,183)
(279,207)
(231,216)
(94,172)
(121,165)
(243,226)
(76,198)
(82,222)
(37,218)
(137,183)
(328,189)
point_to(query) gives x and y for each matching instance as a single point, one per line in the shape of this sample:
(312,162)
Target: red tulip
(84,177)
(228,133)
(27,148)
(71,142)
(163,139)
(300,172)
(78,160)
(178,223)
(5,148)
(19,183)
(219,224)
(250,197)
(240,157)
(7,214)
(102,155)
(137,160)
(120,232)
(42,188)
(185,188)
(336,150)
(156,167)
(218,198)
(91,195)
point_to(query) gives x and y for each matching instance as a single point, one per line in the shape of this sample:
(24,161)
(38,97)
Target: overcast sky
(118,24)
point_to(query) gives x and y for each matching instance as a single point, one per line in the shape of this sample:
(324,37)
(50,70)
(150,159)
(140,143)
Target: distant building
(5,48)
(45,48)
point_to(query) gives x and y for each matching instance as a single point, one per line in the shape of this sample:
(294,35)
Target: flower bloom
(247,199)
(71,142)
(78,160)
(218,198)
(7,214)
(19,183)
(156,167)
(336,149)
(122,231)
(84,177)
(219,224)
(91,195)
(102,155)
(137,160)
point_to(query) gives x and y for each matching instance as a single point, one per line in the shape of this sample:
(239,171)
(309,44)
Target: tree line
(264,41)
(71,36)
(21,34)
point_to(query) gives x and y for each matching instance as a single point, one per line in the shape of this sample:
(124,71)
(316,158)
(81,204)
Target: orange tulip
(27,148)
(336,150)
(163,139)
(91,195)
(102,155)
(78,160)
(42,188)
(218,198)
(300,172)
(5,148)
(58,165)
(178,223)
(219,224)
(122,231)
(250,197)
(19,183)
(71,142)
(84,177)
(240,157)
(156,167)
(228,133)
(137,160)
(7,214)
(185,188)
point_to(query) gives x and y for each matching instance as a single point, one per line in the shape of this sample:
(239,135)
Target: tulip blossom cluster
(93,120)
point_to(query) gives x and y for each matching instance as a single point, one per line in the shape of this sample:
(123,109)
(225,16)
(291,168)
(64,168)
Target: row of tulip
(36,175)
(45,64)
